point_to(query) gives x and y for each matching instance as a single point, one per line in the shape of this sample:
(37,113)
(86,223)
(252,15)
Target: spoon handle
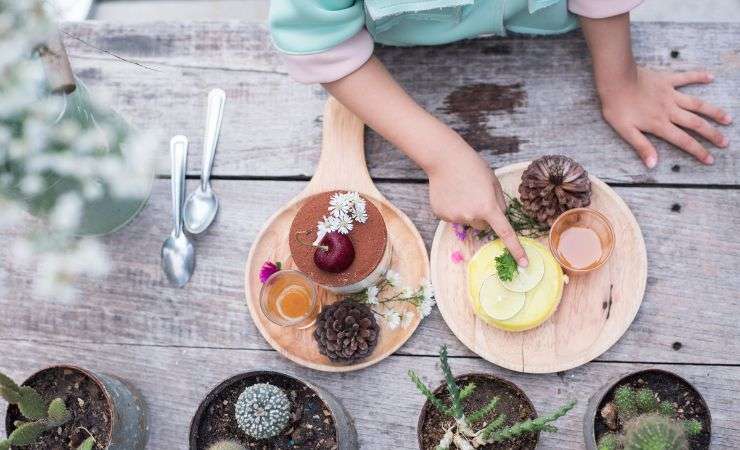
(179,158)
(214,115)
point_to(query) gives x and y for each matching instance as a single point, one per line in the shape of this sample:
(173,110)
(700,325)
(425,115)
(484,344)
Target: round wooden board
(341,166)
(595,311)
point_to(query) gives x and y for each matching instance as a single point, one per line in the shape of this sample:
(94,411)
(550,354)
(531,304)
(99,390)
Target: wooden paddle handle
(342,162)
(56,64)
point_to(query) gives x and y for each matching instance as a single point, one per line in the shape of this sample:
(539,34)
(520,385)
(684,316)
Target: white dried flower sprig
(345,208)
(389,292)
(39,148)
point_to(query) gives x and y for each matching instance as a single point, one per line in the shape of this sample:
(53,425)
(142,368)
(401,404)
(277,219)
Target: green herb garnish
(523,224)
(506,266)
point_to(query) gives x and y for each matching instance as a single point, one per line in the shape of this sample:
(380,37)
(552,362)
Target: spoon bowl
(200,209)
(178,259)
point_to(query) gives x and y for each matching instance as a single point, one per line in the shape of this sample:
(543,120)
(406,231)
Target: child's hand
(650,103)
(463,189)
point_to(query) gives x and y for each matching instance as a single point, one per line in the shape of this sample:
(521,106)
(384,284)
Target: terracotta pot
(493,379)
(129,430)
(598,399)
(343,425)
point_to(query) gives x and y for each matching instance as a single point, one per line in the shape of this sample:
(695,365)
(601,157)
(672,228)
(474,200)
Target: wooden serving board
(341,167)
(595,311)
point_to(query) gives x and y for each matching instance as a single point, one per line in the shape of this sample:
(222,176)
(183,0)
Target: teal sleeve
(301,27)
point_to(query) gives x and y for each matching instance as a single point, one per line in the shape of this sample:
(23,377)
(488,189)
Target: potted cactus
(479,411)
(647,410)
(70,407)
(270,410)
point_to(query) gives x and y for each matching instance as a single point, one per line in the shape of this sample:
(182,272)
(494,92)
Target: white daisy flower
(393,278)
(392,319)
(323,228)
(407,318)
(427,290)
(339,203)
(372,295)
(355,199)
(407,292)
(425,308)
(343,223)
(359,213)
(67,212)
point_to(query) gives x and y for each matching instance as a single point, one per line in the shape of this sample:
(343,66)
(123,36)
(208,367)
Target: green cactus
(608,442)
(646,400)
(227,445)
(692,427)
(625,400)
(41,416)
(654,432)
(262,410)
(667,409)
(462,434)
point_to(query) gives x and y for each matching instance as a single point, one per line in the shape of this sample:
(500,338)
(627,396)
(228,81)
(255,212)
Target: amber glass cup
(289,299)
(583,218)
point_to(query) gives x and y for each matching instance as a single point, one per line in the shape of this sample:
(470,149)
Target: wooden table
(514,99)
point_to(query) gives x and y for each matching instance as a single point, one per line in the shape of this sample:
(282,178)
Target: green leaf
(9,395)
(8,383)
(87,444)
(495,424)
(5,444)
(452,387)
(483,412)
(32,405)
(429,394)
(26,433)
(506,266)
(530,426)
(58,412)
(467,391)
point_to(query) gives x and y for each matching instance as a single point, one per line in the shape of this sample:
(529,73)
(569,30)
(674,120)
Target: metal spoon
(202,205)
(178,254)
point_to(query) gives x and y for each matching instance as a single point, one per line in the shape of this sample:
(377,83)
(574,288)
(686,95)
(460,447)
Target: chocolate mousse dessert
(339,240)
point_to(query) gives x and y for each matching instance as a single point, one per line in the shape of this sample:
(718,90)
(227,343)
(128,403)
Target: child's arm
(462,188)
(636,100)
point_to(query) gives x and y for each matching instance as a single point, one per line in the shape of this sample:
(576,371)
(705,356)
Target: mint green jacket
(324,40)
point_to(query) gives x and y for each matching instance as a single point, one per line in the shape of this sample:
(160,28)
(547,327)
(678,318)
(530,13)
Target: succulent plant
(461,434)
(654,432)
(227,445)
(41,416)
(262,410)
(646,423)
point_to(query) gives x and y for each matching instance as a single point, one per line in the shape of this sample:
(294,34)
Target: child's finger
(700,106)
(684,141)
(691,121)
(691,77)
(641,144)
(503,229)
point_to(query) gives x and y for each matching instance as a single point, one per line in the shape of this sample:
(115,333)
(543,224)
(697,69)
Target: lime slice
(498,302)
(528,277)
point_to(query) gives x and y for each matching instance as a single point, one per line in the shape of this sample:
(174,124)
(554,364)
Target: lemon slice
(527,277)
(498,302)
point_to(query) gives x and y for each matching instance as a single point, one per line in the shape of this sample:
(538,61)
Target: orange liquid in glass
(290,298)
(580,246)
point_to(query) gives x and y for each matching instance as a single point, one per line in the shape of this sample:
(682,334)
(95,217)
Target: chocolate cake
(370,241)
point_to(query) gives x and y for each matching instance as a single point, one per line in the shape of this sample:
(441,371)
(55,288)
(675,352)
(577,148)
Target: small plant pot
(668,386)
(512,401)
(317,417)
(106,406)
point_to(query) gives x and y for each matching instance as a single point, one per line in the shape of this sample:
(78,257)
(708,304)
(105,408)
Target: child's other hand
(650,103)
(463,189)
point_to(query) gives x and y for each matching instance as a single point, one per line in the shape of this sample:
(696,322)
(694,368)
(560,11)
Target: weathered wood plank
(383,403)
(690,297)
(513,99)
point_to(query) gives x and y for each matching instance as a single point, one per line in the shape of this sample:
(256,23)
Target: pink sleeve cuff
(333,64)
(598,9)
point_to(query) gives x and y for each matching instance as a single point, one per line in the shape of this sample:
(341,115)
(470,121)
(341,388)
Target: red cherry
(335,253)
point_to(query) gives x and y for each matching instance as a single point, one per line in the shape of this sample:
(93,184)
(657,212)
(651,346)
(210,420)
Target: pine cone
(552,185)
(346,331)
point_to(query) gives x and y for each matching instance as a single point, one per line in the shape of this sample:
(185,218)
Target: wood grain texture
(341,166)
(513,99)
(595,310)
(382,401)
(691,296)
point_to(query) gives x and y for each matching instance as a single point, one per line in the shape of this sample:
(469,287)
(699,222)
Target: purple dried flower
(461,231)
(268,268)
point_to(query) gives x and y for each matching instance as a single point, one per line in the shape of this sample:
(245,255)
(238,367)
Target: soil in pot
(85,400)
(512,402)
(690,404)
(310,428)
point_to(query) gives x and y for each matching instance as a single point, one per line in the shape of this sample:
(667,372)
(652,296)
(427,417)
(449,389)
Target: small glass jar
(289,299)
(574,236)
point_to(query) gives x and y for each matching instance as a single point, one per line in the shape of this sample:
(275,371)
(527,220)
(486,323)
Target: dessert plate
(594,312)
(341,167)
